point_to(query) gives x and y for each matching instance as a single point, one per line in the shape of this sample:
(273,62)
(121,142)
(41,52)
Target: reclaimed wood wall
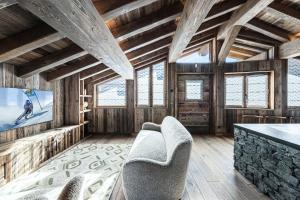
(112,120)
(10,80)
(279,67)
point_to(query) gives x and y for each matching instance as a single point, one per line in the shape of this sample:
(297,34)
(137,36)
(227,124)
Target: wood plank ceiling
(141,32)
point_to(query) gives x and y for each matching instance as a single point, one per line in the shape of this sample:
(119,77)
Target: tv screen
(24,107)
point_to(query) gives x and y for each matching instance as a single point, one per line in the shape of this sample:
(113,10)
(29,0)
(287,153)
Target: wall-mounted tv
(24,107)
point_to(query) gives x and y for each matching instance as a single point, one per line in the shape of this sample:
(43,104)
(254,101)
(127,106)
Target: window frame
(287,80)
(201,92)
(270,89)
(109,106)
(150,104)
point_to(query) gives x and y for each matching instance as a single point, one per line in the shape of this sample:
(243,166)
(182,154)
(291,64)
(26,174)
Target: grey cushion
(73,189)
(146,176)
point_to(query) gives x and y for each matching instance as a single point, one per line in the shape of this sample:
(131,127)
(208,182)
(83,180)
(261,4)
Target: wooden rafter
(150,56)
(148,22)
(259,37)
(50,61)
(193,16)
(149,48)
(268,30)
(70,69)
(6,3)
(152,61)
(81,22)
(249,47)
(290,14)
(99,76)
(229,31)
(104,79)
(242,51)
(290,49)
(148,38)
(253,42)
(237,56)
(126,8)
(21,43)
(93,71)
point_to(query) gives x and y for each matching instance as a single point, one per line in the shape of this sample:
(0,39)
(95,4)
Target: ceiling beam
(230,30)
(237,56)
(149,48)
(162,16)
(6,3)
(290,49)
(26,41)
(259,37)
(126,8)
(269,30)
(242,51)
(50,61)
(81,22)
(148,38)
(192,17)
(223,7)
(154,60)
(249,47)
(150,56)
(74,68)
(252,42)
(107,78)
(244,14)
(99,76)
(285,12)
(93,71)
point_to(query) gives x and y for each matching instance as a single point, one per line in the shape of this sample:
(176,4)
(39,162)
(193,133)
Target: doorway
(193,106)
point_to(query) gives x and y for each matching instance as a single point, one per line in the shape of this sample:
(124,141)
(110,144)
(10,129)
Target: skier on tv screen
(28,109)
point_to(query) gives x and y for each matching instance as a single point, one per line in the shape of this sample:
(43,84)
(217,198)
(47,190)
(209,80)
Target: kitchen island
(269,156)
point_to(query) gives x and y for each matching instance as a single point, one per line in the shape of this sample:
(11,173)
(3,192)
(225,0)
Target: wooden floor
(211,175)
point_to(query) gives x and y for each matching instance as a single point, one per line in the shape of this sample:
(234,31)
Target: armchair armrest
(151,126)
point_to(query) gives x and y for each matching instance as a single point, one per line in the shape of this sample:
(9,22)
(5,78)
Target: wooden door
(193,102)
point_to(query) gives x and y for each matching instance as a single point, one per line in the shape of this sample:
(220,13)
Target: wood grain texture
(10,80)
(290,49)
(80,21)
(6,3)
(87,73)
(126,8)
(50,61)
(193,15)
(74,68)
(26,41)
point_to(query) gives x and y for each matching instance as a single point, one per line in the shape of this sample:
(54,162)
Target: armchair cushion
(151,126)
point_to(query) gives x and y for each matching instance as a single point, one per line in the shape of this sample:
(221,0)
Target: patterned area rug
(99,164)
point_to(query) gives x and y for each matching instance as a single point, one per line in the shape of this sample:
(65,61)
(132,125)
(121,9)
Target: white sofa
(157,164)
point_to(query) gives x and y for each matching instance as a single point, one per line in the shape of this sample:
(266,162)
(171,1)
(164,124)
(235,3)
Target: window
(194,89)
(234,91)
(249,90)
(143,86)
(112,93)
(151,83)
(158,77)
(293,82)
(258,93)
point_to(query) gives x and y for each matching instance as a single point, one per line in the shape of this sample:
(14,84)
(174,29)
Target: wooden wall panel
(72,91)
(280,90)
(113,120)
(9,79)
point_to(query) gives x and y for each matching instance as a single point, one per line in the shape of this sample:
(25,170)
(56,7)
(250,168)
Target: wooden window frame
(150,104)
(270,88)
(109,106)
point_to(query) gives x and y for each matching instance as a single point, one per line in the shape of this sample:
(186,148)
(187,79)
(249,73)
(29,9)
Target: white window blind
(158,77)
(194,89)
(143,76)
(293,82)
(258,94)
(234,87)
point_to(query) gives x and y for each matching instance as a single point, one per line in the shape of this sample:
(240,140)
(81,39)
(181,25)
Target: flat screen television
(24,107)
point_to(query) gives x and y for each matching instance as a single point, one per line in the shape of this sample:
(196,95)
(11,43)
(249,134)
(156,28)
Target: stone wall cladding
(273,167)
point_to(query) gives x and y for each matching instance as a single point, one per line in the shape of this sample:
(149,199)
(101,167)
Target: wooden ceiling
(112,37)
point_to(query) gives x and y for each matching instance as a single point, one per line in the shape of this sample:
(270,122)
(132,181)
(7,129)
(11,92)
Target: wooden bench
(267,118)
(26,154)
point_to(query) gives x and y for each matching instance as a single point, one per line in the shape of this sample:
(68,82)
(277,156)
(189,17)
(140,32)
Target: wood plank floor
(211,175)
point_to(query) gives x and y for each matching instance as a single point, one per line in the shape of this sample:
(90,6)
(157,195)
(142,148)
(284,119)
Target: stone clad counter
(269,156)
